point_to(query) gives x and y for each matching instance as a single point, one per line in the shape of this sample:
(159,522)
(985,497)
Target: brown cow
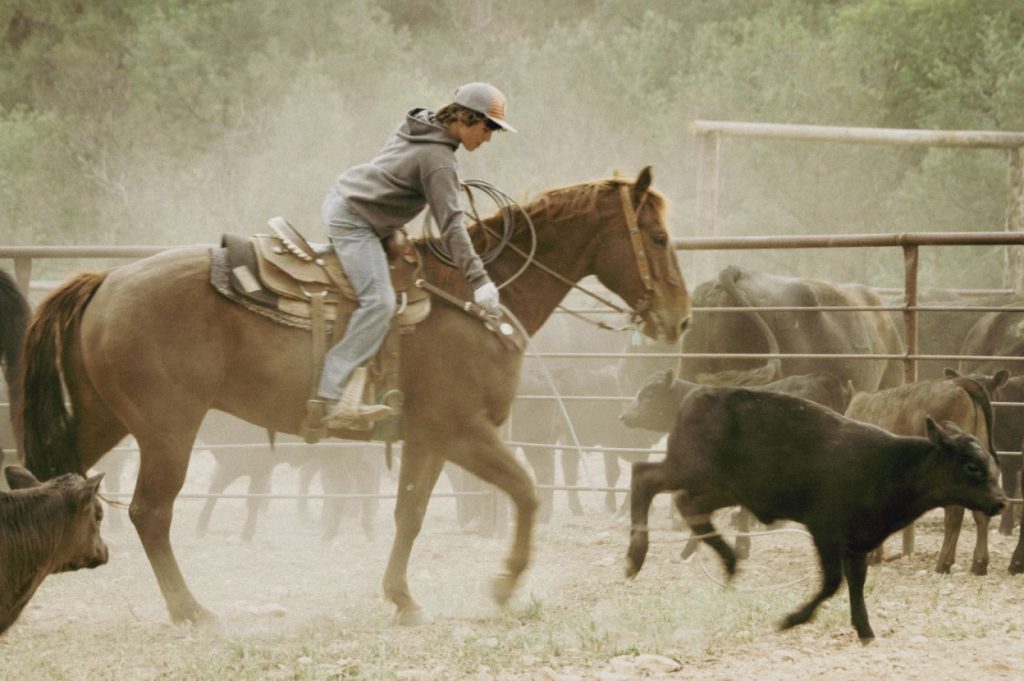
(45,528)
(901,410)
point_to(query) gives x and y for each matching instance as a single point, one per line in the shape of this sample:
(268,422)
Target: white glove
(486,296)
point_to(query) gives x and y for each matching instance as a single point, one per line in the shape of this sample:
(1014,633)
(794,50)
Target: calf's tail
(772,370)
(980,398)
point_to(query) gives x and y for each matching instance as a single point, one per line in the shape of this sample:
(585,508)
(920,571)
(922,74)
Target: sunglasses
(491,125)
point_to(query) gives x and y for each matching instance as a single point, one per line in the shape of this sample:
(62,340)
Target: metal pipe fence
(909,243)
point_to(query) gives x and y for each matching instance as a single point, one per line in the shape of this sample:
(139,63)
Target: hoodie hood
(421,126)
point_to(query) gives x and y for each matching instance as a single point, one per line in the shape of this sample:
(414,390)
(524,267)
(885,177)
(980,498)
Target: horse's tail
(981,400)
(772,370)
(47,428)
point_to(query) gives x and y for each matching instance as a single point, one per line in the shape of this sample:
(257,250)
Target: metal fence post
(910,254)
(1014,269)
(708,157)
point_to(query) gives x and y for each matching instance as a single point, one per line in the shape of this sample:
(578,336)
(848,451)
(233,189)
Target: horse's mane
(567,202)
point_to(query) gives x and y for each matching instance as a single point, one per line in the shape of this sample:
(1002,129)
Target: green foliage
(170,121)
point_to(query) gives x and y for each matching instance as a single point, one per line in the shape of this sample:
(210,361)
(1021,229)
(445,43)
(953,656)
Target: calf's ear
(1000,379)
(669,378)
(950,372)
(936,434)
(87,490)
(19,477)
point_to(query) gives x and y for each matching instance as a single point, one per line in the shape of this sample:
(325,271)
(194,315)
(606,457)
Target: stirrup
(312,427)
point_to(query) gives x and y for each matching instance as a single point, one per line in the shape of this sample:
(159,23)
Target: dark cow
(784,458)
(815,331)
(958,400)
(942,332)
(657,402)
(45,528)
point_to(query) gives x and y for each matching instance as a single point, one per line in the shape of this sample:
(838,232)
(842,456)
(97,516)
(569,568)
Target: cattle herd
(808,433)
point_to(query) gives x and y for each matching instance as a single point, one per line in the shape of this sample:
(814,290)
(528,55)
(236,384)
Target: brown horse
(149,347)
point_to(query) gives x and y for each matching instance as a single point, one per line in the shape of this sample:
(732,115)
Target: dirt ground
(292,607)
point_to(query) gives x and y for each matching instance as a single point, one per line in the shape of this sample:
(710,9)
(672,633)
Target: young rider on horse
(368,202)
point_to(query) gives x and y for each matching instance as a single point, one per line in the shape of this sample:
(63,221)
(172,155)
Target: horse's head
(637,261)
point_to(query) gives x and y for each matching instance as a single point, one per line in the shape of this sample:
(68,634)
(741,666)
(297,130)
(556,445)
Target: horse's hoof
(502,587)
(197,617)
(979,569)
(414,617)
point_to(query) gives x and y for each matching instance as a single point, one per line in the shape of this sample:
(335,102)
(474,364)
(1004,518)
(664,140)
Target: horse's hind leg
(417,476)
(164,462)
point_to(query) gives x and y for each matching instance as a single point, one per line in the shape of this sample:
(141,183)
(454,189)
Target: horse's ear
(642,184)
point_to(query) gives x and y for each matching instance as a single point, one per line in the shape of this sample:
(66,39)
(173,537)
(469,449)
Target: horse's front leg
(417,476)
(481,451)
(162,468)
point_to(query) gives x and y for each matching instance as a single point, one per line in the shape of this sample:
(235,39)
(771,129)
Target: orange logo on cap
(497,106)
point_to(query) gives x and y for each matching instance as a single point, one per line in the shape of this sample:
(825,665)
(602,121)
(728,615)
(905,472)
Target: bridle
(643,264)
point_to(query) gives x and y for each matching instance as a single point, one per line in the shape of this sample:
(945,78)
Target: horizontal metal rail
(848,241)
(24,254)
(857,135)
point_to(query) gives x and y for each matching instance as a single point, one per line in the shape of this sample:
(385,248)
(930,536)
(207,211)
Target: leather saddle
(284,271)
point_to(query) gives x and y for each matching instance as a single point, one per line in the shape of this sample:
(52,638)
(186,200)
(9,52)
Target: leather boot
(350,412)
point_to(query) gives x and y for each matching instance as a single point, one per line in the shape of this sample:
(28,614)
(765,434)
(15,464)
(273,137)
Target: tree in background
(170,121)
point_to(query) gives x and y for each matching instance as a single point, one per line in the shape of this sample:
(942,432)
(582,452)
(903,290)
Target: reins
(506,206)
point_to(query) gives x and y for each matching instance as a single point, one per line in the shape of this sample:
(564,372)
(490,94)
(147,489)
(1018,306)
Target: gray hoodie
(415,168)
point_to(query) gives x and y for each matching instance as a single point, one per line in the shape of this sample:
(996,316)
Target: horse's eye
(660,238)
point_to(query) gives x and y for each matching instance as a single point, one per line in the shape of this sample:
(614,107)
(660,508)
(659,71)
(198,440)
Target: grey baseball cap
(486,99)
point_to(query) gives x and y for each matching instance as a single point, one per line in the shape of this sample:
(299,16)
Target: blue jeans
(366,264)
